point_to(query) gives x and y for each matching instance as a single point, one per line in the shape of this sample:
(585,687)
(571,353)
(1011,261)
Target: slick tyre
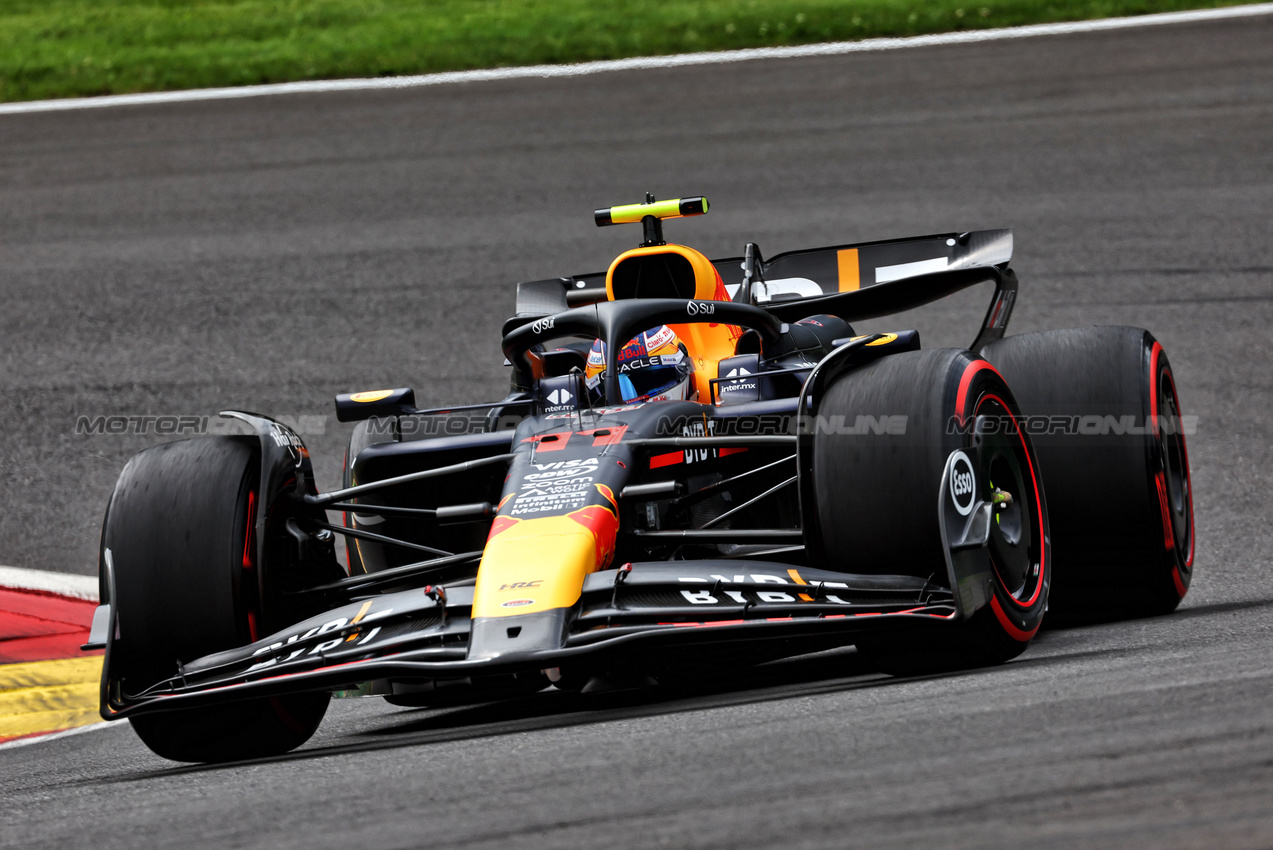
(1103,411)
(877,497)
(178,534)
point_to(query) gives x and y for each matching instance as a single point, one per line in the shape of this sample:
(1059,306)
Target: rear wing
(855,282)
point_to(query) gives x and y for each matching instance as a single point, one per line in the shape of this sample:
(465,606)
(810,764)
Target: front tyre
(178,530)
(877,491)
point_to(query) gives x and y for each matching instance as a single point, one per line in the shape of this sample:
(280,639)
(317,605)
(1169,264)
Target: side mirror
(355,407)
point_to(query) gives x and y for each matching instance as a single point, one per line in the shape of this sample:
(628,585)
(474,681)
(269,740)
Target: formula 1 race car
(700,466)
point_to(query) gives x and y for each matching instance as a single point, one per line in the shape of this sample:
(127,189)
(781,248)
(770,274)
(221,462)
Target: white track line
(62,584)
(49,736)
(640,63)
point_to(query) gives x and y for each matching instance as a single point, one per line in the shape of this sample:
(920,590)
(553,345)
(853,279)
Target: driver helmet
(653,366)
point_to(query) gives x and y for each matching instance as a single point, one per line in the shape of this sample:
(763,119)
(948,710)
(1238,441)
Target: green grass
(67,48)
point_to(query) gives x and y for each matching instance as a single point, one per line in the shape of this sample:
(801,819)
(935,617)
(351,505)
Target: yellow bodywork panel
(708,345)
(534,565)
(850,275)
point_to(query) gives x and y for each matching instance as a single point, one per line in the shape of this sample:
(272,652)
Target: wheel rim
(1016,535)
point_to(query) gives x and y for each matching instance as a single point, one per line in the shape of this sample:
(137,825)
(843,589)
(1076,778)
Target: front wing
(423,634)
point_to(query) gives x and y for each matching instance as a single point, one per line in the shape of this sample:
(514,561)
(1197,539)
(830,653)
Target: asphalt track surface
(269,253)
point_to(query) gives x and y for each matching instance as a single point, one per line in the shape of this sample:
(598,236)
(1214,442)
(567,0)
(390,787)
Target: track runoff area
(48,686)
(641,63)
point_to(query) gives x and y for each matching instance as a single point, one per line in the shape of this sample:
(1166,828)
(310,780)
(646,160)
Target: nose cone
(533,570)
(538,564)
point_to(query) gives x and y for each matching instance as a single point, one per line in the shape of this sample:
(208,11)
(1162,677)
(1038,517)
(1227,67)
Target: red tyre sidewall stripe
(1169,532)
(249,555)
(961,402)
(1154,353)
(1153,395)
(1164,511)
(1184,449)
(249,558)
(1008,626)
(1038,504)
(966,381)
(1180,585)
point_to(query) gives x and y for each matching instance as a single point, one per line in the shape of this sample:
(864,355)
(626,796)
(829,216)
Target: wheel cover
(1016,536)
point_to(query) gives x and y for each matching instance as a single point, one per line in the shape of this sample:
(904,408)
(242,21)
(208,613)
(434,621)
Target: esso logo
(517,603)
(963,484)
(700,308)
(541,325)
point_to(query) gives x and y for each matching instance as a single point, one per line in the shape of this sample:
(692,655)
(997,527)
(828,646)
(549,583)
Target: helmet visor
(650,381)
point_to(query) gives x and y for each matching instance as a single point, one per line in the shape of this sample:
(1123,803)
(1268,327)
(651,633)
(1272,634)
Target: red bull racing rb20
(700,466)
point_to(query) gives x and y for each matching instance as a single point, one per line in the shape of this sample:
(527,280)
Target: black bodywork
(715,553)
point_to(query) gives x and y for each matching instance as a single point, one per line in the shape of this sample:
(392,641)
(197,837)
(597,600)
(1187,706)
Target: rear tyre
(1104,415)
(877,496)
(178,528)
